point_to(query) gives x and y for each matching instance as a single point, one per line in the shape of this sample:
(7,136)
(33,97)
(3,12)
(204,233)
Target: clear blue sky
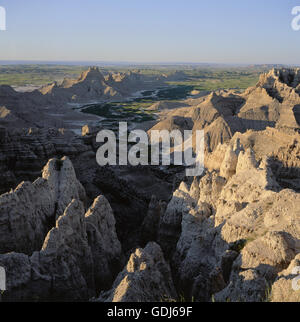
(231,31)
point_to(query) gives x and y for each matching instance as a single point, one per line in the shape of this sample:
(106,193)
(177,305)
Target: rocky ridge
(232,238)
(230,235)
(27,212)
(55,105)
(79,256)
(273,102)
(146,278)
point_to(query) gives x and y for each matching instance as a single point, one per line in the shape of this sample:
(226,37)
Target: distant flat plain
(199,78)
(183,80)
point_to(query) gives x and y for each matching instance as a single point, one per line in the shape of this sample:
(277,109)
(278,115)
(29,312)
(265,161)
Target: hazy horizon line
(149,63)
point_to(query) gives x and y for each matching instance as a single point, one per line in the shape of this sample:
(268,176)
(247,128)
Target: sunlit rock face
(62,251)
(146,278)
(235,234)
(231,234)
(27,212)
(273,102)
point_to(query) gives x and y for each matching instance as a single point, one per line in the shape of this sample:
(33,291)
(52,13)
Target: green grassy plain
(20,75)
(215,79)
(201,78)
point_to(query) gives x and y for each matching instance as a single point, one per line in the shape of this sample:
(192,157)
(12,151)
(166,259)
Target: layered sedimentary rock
(90,85)
(80,257)
(146,278)
(230,235)
(273,102)
(53,105)
(279,146)
(27,212)
(285,164)
(230,239)
(169,228)
(93,85)
(103,242)
(24,152)
(229,164)
(275,98)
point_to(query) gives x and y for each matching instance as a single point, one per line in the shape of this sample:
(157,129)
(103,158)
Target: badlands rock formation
(232,234)
(90,85)
(273,102)
(24,152)
(27,212)
(93,85)
(231,239)
(146,278)
(79,256)
(50,105)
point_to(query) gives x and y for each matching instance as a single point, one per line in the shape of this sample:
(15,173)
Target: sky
(213,31)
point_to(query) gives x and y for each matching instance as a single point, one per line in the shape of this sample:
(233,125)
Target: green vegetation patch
(113,112)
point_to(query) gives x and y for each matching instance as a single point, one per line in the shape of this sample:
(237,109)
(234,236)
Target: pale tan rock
(170,221)
(103,242)
(27,212)
(88,130)
(146,278)
(246,161)
(229,164)
(285,287)
(250,215)
(80,256)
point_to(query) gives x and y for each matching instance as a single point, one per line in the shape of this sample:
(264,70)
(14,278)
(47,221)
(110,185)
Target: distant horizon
(135,63)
